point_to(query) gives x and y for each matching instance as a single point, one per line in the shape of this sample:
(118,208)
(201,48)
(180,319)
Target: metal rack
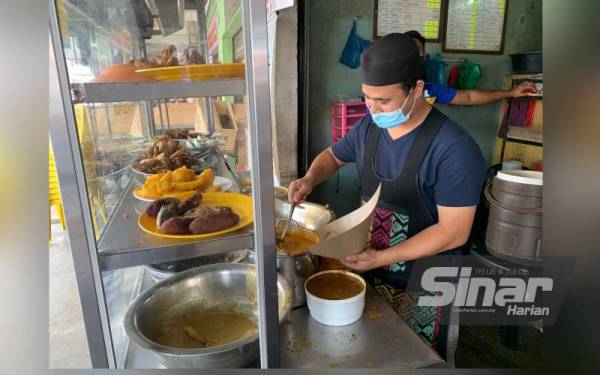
(122,243)
(515,134)
(138,91)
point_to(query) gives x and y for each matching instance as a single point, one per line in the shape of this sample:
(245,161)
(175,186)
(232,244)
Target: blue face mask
(386,120)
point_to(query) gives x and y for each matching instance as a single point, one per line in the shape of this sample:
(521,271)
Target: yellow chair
(54,192)
(93,184)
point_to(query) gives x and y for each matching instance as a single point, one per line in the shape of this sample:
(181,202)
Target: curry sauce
(204,328)
(334,286)
(297,241)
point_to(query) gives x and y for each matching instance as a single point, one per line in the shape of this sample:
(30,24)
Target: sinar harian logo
(515,293)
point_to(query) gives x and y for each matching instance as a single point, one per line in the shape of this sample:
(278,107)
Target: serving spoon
(289,220)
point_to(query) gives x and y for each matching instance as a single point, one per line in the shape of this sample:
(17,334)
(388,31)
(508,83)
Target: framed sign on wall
(475,26)
(398,16)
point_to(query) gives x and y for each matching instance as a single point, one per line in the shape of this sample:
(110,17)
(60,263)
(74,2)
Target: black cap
(391,59)
(416,35)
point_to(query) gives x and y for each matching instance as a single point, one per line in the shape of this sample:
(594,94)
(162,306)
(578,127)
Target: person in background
(448,95)
(430,169)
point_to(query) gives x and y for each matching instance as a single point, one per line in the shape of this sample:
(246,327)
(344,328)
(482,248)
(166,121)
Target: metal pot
(295,269)
(529,62)
(207,287)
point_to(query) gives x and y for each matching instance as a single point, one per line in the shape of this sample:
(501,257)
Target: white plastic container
(336,312)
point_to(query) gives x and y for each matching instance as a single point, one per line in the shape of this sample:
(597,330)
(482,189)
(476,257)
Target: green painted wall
(329,23)
(226,30)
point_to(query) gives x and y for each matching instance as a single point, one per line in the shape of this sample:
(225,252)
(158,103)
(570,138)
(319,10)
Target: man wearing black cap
(430,168)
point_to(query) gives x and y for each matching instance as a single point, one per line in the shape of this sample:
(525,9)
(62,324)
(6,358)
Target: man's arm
(323,166)
(450,232)
(477,97)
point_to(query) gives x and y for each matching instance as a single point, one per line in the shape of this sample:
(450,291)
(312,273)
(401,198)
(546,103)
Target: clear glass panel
(109,42)
(151,40)
(120,289)
(108,135)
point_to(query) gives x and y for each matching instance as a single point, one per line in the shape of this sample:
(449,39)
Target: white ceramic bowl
(336,312)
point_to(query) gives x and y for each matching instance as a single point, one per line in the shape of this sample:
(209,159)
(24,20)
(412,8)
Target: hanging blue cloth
(354,47)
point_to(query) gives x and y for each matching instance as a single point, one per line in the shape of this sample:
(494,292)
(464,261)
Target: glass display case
(143,88)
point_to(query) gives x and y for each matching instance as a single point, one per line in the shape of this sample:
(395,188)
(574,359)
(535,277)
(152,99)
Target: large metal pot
(210,286)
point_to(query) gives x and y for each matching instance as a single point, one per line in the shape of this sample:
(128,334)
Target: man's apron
(400,214)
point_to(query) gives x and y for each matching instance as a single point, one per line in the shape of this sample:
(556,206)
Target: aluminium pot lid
(522,177)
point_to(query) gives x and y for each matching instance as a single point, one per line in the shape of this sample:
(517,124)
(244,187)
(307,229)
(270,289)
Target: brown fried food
(195,57)
(171,147)
(166,54)
(172,61)
(142,63)
(215,219)
(155,206)
(165,155)
(175,225)
(180,133)
(189,204)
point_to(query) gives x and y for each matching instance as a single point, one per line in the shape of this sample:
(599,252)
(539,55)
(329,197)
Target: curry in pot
(297,241)
(201,328)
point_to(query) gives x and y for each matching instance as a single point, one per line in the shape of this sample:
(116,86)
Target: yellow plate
(188,72)
(240,204)
(181,196)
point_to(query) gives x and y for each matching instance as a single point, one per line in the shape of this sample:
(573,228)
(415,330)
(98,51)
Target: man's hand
(523,89)
(299,189)
(365,261)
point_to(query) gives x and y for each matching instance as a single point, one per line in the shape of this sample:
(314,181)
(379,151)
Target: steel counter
(380,339)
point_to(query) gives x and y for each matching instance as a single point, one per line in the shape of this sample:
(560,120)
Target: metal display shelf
(137,91)
(124,244)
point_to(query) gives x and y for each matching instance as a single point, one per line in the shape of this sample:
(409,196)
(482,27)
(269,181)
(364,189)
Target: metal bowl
(307,215)
(208,287)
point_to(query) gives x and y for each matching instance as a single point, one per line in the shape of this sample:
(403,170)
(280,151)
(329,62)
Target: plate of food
(181,184)
(164,155)
(199,216)
(194,71)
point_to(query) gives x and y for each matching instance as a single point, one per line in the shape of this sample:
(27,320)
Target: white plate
(224,183)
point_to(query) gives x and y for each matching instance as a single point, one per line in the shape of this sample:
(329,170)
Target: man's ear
(419,88)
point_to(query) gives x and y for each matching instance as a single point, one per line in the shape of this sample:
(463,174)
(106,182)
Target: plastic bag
(354,47)
(468,74)
(435,69)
